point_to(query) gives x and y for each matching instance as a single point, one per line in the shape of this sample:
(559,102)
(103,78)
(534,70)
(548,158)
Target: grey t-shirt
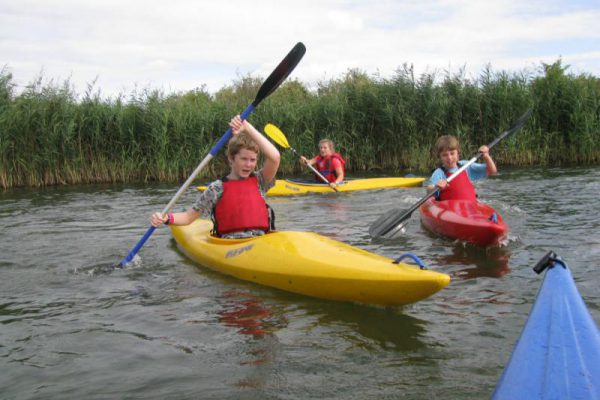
(206,201)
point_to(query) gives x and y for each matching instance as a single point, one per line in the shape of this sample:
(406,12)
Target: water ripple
(167,328)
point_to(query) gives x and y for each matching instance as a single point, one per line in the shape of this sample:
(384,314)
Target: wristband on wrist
(170,219)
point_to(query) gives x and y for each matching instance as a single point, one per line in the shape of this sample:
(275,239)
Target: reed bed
(51,135)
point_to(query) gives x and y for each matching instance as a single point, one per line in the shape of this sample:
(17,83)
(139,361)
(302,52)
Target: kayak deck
(557,355)
(470,221)
(294,187)
(309,264)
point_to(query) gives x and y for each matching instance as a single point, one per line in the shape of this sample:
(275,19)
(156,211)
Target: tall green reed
(51,135)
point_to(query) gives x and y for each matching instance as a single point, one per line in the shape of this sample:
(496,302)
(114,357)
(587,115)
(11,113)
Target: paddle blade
(283,70)
(276,135)
(392,222)
(389,224)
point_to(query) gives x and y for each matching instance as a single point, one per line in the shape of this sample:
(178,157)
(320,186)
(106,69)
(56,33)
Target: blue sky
(180,45)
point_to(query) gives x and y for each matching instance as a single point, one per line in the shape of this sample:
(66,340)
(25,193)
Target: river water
(74,328)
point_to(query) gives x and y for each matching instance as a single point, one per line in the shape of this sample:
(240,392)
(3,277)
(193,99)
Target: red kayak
(469,221)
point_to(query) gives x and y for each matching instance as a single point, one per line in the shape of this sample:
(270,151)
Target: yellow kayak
(309,264)
(291,187)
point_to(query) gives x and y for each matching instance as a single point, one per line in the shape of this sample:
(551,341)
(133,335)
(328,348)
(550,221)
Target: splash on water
(103,269)
(135,262)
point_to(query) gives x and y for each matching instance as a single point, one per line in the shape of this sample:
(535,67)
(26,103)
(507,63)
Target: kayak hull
(469,221)
(309,264)
(292,188)
(557,355)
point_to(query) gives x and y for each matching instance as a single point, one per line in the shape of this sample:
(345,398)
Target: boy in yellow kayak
(329,163)
(236,202)
(461,188)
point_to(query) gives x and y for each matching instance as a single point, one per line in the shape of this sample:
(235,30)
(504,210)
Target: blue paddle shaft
(137,247)
(225,138)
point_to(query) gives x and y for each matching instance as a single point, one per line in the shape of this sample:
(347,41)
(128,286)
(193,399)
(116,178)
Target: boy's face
(324,149)
(243,163)
(449,158)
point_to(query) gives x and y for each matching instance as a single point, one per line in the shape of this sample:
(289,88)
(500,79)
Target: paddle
(278,137)
(391,223)
(282,71)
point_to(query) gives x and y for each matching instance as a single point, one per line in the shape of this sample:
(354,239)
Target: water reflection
(192,335)
(489,262)
(366,326)
(371,327)
(252,317)
(248,313)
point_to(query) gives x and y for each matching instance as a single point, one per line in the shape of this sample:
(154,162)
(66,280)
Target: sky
(122,46)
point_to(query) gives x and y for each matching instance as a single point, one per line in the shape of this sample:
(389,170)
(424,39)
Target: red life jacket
(325,168)
(241,207)
(460,188)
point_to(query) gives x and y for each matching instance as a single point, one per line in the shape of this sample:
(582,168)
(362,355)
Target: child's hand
(485,152)
(236,124)
(442,183)
(303,159)
(157,219)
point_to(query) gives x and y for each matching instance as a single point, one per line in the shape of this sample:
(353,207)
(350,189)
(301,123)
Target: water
(72,327)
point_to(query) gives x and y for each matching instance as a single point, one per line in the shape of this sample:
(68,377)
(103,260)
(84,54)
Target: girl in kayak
(237,201)
(329,163)
(461,188)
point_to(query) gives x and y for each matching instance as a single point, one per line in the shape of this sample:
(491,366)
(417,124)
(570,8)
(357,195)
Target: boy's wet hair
(329,143)
(239,142)
(446,142)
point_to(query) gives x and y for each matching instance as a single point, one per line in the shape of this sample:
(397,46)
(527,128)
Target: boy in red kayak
(236,202)
(461,187)
(329,163)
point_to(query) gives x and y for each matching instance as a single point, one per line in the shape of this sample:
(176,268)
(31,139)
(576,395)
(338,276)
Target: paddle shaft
(215,150)
(463,167)
(407,214)
(314,170)
(279,137)
(281,72)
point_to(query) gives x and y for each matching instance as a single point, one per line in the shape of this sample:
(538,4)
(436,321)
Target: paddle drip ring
(413,257)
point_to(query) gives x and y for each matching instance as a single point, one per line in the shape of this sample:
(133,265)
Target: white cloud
(179,45)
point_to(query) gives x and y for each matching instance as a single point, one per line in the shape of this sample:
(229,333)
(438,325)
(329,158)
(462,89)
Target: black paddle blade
(515,127)
(283,70)
(392,222)
(387,223)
